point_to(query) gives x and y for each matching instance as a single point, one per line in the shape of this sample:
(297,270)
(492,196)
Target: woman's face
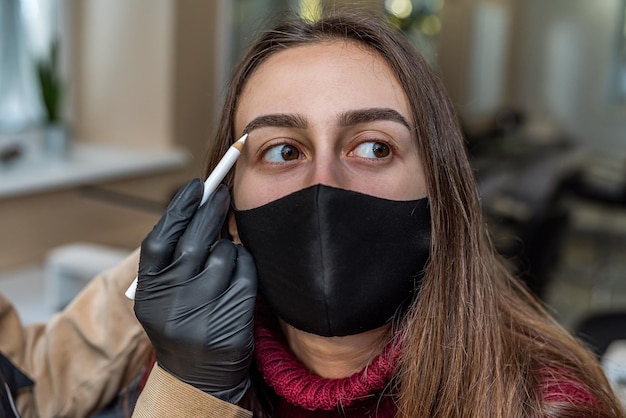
(331,113)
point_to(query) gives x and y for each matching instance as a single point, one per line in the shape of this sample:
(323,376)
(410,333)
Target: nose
(327,169)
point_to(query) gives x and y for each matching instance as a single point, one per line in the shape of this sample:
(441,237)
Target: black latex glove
(11,380)
(195,299)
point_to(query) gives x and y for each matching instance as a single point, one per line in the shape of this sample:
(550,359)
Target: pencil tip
(239,143)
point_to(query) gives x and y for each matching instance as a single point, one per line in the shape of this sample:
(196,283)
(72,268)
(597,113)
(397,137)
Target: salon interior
(106,107)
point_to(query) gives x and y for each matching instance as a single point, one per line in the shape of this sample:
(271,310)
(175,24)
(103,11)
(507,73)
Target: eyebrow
(350,118)
(280,120)
(355,117)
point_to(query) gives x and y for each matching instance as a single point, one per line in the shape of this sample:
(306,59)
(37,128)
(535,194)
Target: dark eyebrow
(281,120)
(355,117)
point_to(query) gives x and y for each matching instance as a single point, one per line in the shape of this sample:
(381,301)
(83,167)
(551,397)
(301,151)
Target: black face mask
(334,262)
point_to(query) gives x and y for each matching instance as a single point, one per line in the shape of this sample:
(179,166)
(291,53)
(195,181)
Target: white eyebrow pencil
(210,185)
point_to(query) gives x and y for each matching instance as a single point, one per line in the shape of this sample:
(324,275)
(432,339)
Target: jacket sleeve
(84,355)
(166,396)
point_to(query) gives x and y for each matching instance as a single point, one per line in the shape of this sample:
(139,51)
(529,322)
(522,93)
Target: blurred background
(106,107)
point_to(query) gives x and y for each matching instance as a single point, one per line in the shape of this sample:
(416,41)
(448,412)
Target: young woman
(379,291)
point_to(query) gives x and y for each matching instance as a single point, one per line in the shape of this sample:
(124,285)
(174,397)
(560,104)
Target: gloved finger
(157,249)
(233,313)
(245,272)
(245,285)
(196,241)
(243,289)
(214,278)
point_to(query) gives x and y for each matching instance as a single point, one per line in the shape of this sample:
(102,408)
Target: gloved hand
(195,299)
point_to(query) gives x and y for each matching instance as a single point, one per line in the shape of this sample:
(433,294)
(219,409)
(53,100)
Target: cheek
(251,191)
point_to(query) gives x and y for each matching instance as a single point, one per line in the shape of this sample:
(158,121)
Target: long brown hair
(477,343)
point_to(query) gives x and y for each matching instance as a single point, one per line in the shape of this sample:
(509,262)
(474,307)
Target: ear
(232,228)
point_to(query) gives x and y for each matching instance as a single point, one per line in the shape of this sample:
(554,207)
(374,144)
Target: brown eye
(380,150)
(281,153)
(372,150)
(289,153)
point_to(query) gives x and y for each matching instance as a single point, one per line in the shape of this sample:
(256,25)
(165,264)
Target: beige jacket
(86,354)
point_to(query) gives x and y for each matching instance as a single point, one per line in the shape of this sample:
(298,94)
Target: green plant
(50,84)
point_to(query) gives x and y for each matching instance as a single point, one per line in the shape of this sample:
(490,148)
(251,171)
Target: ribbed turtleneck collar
(365,393)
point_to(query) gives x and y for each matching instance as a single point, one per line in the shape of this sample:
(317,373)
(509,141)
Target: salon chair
(600,329)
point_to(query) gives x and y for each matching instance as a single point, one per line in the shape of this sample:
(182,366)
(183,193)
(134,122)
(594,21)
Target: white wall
(473,56)
(566,52)
(123,74)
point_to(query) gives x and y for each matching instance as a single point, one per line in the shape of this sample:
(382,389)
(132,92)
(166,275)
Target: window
(27,28)
(419,20)
(621,59)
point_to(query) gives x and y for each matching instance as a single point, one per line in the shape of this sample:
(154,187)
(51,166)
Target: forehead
(342,73)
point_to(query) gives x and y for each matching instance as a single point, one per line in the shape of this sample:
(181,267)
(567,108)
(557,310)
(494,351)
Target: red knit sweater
(302,394)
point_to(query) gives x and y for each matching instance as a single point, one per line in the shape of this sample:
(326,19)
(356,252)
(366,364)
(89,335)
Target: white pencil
(210,185)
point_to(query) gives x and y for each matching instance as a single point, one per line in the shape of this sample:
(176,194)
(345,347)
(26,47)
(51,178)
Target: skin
(329,113)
